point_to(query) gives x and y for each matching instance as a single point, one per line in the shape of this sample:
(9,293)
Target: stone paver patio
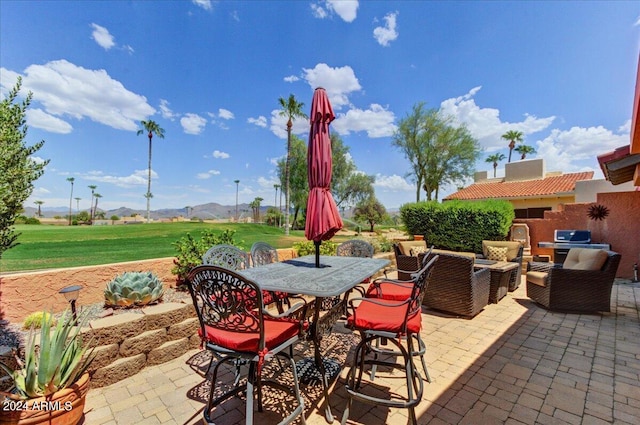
(514,363)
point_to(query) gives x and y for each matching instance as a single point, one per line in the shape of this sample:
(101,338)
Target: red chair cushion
(390,291)
(275,333)
(373,316)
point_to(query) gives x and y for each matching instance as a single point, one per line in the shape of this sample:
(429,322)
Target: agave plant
(133,289)
(57,361)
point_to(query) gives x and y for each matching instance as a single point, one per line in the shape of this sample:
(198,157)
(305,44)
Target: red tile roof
(522,189)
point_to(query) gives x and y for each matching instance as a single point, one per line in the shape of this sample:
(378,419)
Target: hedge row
(458,225)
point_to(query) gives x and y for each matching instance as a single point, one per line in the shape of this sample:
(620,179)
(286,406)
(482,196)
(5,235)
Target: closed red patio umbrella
(323,219)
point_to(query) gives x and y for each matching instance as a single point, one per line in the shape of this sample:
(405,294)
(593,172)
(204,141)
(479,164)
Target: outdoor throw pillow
(418,250)
(497,253)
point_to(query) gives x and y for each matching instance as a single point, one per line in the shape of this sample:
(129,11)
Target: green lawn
(47,247)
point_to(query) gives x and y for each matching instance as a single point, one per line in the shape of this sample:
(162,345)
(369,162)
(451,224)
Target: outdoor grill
(564,240)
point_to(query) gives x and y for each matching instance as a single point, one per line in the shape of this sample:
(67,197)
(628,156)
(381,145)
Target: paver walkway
(514,363)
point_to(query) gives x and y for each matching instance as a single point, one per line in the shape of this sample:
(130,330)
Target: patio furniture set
(232,301)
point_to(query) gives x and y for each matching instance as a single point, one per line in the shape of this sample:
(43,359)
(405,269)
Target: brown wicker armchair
(455,287)
(513,254)
(563,289)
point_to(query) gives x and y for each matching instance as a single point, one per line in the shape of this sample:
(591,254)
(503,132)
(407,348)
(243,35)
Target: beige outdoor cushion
(513,247)
(418,250)
(464,254)
(585,259)
(497,253)
(538,278)
(405,246)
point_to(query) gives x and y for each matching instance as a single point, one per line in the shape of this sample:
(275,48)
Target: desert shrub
(36,319)
(133,289)
(308,248)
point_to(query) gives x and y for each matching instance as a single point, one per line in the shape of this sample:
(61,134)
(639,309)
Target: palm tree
(151,127)
(291,109)
(514,137)
(38,203)
(97,196)
(237,182)
(93,187)
(77,204)
(495,158)
(525,150)
(70,180)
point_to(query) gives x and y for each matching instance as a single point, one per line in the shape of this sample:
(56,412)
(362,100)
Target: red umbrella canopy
(323,220)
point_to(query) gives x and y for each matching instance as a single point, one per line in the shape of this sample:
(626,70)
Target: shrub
(308,248)
(189,250)
(458,225)
(35,320)
(133,289)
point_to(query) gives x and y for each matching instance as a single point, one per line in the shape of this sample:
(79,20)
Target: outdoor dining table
(335,276)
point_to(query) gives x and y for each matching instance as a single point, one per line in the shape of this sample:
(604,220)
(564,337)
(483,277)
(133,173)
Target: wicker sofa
(410,254)
(570,289)
(455,287)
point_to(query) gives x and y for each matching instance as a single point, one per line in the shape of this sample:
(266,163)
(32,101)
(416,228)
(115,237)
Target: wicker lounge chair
(565,289)
(455,287)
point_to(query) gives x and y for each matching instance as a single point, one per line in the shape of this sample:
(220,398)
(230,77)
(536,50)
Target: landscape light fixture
(71,294)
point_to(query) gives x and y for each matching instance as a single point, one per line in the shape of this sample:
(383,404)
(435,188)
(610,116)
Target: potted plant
(52,381)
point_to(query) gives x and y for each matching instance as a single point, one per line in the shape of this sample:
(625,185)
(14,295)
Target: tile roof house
(527,186)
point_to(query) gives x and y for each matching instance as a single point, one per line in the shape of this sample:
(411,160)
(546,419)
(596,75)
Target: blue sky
(211,72)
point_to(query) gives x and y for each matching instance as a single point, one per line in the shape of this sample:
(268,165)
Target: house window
(531,212)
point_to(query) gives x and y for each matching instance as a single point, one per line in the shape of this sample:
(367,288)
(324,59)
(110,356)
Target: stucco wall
(621,228)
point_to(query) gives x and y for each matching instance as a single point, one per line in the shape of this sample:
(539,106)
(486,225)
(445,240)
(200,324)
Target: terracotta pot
(64,407)
(418,237)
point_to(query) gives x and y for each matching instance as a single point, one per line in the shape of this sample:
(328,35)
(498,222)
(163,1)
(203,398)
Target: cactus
(133,289)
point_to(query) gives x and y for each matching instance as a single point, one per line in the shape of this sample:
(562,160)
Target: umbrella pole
(317,244)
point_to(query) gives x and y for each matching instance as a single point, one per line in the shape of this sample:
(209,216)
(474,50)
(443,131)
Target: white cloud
(484,123)
(384,35)
(267,183)
(291,79)
(393,183)
(626,127)
(376,121)
(637,23)
(138,178)
(279,125)
(39,119)
(207,175)
(220,155)
(338,82)
(193,123)
(65,89)
(318,11)
(102,37)
(562,150)
(205,4)
(261,121)
(346,9)
(225,114)
(166,112)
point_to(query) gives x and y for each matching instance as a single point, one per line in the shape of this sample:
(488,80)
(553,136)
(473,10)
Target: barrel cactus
(133,289)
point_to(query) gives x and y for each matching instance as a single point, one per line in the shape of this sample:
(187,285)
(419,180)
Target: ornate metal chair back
(226,256)
(355,248)
(262,253)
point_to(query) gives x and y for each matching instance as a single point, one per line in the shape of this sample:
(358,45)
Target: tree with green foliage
(70,180)
(348,185)
(525,150)
(494,160)
(291,109)
(93,188)
(151,127)
(298,184)
(371,211)
(438,151)
(18,170)
(513,137)
(39,204)
(255,208)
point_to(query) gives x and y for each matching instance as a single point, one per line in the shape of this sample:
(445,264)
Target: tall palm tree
(70,180)
(77,204)
(237,182)
(525,150)
(513,137)
(97,196)
(150,127)
(93,187)
(291,109)
(39,203)
(495,158)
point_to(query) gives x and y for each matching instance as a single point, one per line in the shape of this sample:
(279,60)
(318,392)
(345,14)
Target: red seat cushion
(390,291)
(275,333)
(373,316)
